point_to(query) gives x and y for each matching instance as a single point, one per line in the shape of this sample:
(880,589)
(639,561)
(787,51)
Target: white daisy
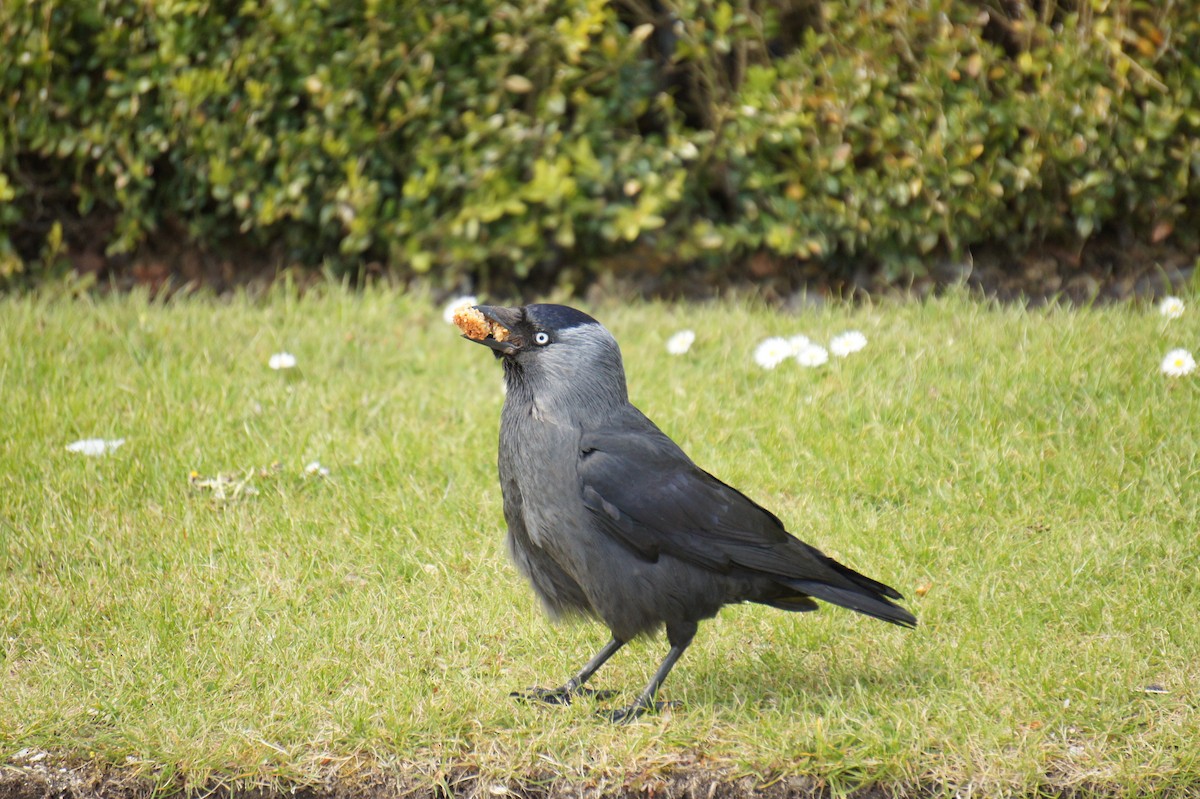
(772,352)
(282,360)
(316,468)
(465,301)
(812,355)
(681,342)
(1178,363)
(846,343)
(797,343)
(94,447)
(1171,307)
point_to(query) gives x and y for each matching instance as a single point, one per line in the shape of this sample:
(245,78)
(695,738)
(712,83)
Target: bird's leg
(679,637)
(575,686)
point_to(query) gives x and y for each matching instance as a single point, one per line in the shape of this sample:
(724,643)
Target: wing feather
(645,492)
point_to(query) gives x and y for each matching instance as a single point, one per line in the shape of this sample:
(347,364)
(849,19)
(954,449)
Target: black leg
(600,658)
(574,686)
(679,637)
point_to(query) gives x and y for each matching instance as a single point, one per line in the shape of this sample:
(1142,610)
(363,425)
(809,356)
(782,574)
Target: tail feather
(858,579)
(871,603)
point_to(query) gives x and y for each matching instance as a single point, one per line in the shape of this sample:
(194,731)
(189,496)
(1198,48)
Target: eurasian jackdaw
(608,517)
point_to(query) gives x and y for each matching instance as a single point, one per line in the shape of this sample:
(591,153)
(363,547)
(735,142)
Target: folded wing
(643,490)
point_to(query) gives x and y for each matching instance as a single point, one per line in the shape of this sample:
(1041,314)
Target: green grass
(1033,470)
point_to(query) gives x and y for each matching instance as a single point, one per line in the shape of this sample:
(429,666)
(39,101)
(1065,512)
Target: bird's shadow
(806,672)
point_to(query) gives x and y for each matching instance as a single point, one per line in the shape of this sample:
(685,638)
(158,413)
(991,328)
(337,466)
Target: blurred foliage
(486,139)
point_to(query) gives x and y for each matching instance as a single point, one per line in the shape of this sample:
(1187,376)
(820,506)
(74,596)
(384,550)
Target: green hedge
(495,138)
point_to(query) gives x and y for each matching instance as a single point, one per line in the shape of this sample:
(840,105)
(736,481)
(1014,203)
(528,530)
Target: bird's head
(551,350)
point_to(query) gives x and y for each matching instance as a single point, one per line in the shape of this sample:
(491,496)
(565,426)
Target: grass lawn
(1030,480)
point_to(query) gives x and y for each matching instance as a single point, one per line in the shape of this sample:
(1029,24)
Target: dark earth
(686,781)
(1108,267)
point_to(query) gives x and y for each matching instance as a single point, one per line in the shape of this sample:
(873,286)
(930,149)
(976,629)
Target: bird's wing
(644,491)
(647,493)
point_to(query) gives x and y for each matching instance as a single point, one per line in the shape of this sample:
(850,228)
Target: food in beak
(475,325)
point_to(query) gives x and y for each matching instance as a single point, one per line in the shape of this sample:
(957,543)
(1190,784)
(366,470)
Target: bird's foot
(560,696)
(631,713)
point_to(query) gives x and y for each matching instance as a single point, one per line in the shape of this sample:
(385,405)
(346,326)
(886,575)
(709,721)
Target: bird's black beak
(507,318)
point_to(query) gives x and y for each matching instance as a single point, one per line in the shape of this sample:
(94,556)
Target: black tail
(855,591)
(864,600)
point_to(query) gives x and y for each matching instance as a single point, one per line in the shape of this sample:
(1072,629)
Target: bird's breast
(539,463)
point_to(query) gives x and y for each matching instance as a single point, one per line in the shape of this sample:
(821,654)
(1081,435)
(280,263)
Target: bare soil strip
(53,781)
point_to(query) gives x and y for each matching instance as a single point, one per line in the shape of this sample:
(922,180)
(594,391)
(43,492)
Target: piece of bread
(475,325)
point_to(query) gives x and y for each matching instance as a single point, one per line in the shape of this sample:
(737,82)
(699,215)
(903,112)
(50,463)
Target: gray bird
(608,518)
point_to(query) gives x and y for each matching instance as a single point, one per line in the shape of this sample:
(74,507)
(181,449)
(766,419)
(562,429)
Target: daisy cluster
(1178,362)
(775,350)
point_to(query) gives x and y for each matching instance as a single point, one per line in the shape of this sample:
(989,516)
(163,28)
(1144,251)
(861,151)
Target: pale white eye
(541,338)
